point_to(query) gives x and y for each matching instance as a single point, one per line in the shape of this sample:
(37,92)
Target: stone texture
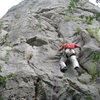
(32,33)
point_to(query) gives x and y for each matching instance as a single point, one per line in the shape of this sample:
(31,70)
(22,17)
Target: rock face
(30,37)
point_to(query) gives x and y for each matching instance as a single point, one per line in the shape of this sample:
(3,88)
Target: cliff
(30,36)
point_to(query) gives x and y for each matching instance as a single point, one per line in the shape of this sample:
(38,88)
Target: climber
(69,53)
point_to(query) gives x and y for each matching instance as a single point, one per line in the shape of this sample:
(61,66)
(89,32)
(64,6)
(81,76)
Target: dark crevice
(45,10)
(2,43)
(89,10)
(76,87)
(37,88)
(84,68)
(59,34)
(47,15)
(36,41)
(83,39)
(50,84)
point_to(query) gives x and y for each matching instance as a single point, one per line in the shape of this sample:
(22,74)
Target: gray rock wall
(32,33)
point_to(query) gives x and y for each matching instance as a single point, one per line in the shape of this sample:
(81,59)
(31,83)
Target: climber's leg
(63,66)
(75,64)
(74,61)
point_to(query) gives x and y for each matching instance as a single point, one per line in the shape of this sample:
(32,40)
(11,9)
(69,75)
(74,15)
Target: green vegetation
(93,32)
(1,98)
(97,16)
(92,69)
(3,78)
(90,32)
(89,19)
(78,30)
(40,29)
(88,97)
(72,5)
(6,42)
(40,82)
(11,75)
(69,18)
(96,57)
(3,81)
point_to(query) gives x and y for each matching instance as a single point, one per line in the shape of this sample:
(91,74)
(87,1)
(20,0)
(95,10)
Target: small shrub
(97,16)
(93,70)
(6,42)
(90,32)
(72,5)
(11,75)
(76,18)
(96,57)
(96,34)
(93,32)
(89,19)
(1,98)
(3,81)
(40,82)
(40,29)
(88,97)
(68,18)
(78,30)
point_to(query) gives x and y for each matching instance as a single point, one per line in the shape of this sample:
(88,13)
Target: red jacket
(69,46)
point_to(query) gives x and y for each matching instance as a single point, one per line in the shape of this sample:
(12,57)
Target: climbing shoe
(78,71)
(63,69)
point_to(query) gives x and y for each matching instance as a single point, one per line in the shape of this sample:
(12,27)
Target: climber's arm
(61,48)
(77,46)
